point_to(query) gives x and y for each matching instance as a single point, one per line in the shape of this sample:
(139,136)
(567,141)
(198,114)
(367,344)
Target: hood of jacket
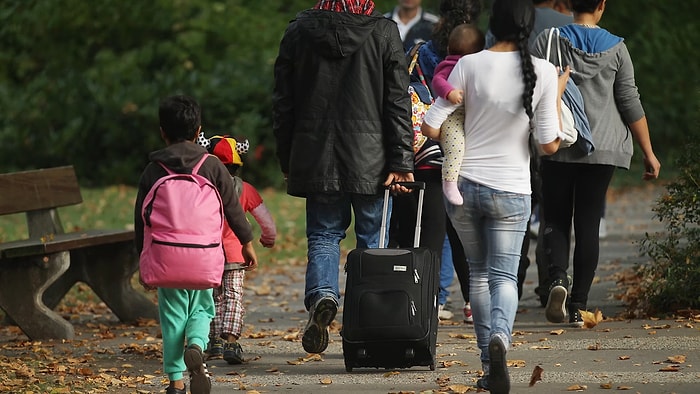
(593,50)
(180,157)
(336,34)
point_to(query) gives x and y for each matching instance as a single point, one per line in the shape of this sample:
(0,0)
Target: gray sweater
(606,81)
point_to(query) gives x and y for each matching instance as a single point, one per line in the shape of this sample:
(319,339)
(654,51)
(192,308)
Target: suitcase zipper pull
(413,308)
(416,277)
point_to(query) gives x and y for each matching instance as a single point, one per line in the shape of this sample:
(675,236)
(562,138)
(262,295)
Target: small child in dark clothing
(185,315)
(464,39)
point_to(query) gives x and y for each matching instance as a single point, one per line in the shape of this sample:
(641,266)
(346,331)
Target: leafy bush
(671,281)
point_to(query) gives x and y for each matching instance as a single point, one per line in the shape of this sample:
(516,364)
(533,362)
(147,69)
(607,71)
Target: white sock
(452,192)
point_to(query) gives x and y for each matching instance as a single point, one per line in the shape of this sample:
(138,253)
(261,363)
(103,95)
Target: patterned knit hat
(226,148)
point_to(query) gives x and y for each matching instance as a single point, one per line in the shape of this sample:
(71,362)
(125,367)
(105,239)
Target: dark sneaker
(575,319)
(555,311)
(233,354)
(173,390)
(199,376)
(498,379)
(315,338)
(215,350)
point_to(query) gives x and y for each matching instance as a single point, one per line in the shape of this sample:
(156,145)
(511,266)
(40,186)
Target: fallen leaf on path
(670,368)
(591,319)
(326,381)
(606,386)
(516,363)
(557,332)
(625,387)
(536,375)
(577,387)
(623,358)
(677,359)
(390,374)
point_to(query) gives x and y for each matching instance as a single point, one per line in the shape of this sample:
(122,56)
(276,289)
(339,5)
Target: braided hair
(453,13)
(512,21)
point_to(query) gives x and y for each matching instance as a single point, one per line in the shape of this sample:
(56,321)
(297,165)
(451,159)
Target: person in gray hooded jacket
(342,123)
(575,184)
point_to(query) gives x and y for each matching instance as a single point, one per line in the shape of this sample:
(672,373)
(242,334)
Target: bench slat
(63,242)
(38,189)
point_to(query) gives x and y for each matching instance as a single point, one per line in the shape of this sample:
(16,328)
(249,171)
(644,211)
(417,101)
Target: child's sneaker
(468,318)
(233,353)
(451,191)
(199,376)
(215,350)
(173,390)
(444,314)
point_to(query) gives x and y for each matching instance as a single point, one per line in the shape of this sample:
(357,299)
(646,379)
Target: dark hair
(512,20)
(585,6)
(465,39)
(453,13)
(232,168)
(180,118)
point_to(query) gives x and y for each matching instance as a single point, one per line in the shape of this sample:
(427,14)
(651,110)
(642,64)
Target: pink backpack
(183,222)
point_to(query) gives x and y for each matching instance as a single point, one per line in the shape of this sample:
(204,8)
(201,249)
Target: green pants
(185,316)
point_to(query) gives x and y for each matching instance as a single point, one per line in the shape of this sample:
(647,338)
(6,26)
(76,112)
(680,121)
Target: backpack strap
(199,163)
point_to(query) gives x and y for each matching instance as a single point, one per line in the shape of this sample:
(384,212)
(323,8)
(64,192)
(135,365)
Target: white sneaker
(603,230)
(444,314)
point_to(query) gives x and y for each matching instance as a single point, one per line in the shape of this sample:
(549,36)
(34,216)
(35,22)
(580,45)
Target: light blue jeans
(328,216)
(491,225)
(447,272)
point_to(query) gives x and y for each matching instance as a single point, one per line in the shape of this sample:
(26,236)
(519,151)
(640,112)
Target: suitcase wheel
(361,353)
(410,353)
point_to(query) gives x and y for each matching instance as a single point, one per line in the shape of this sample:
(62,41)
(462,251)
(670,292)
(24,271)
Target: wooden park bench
(37,272)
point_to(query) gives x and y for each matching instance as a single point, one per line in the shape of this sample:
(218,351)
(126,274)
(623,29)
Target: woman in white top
(505,91)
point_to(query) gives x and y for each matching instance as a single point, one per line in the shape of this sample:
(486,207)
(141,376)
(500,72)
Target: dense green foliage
(672,279)
(80,81)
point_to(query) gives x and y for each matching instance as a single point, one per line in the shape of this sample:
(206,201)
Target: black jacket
(340,105)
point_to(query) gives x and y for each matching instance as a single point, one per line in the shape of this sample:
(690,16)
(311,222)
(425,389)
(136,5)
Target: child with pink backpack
(184,197)
(228,298)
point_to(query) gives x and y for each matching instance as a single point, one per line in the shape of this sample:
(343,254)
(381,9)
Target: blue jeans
(491,225)
(328,216)
(447,271)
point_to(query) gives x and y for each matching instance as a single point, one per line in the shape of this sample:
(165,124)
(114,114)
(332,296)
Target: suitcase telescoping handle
(409,185)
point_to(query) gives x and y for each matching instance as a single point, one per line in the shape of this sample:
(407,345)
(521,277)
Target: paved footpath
(640,356)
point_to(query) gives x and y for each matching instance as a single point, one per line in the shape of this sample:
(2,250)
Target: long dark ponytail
(512,20)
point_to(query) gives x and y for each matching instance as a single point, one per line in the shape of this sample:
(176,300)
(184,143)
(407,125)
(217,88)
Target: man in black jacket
(343,128)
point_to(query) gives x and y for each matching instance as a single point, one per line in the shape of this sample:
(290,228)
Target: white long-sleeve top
(496,127)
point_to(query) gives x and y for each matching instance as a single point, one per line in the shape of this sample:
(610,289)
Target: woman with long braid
(504,90)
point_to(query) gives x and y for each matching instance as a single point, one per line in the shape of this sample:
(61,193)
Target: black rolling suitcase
(390,308)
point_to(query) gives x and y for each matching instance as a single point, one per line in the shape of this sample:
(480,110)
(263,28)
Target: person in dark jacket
(414,23)
(341,117)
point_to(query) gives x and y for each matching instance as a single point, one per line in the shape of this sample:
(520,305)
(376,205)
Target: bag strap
(549,46)
(199,163)
(414,65)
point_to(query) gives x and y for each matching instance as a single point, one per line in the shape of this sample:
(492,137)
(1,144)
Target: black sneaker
(498,379)
(315,338)
(483,382)
(199,376)
(233,353)
(575,319)
(173,390)
(555,311)
(215,350)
